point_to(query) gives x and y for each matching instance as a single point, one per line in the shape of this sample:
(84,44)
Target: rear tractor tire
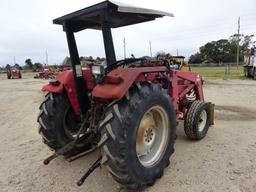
(138,135)
(8,75)
(197,120)
(58,123)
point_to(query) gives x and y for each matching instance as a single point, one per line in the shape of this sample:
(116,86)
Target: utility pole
(238,40)
(124,49)
(177,52)
(14,60)
(46,57)
(150,48)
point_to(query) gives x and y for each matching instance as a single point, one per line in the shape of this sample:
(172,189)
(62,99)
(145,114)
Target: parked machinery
(250,64)
(125,109)
(178,63)
(45,73)
(13,72)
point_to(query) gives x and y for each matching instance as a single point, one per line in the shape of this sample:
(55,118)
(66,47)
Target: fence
(215,64)
(226,67)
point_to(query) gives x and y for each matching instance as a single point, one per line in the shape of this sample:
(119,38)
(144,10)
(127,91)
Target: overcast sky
(27,31)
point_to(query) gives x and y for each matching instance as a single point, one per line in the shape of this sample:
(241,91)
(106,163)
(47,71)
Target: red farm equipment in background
(13,73)
(127,109)
(45,73)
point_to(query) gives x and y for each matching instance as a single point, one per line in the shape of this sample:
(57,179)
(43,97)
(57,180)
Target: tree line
(223,50)
(29,65)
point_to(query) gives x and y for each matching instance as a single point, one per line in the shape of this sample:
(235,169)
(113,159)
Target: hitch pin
(49,159)
(94,166)
(67,147)
(61,151)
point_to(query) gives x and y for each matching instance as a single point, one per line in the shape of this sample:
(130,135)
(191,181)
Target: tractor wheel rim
(202,121)
(152,136)
(70,128)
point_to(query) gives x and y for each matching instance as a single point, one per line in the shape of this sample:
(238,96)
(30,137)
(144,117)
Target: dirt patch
(230,83)
(224,161)
(234,113)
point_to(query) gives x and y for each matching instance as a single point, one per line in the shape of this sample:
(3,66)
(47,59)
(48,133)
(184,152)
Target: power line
(213,28)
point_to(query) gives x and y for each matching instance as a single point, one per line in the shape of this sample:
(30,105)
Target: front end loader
(127,109)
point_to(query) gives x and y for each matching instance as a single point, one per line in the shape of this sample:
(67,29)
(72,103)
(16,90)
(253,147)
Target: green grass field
(219,72)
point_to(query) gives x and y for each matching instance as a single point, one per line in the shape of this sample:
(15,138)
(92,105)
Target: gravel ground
(223,161)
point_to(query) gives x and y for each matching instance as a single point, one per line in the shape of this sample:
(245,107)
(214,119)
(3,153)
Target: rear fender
(128,76)
(65,82)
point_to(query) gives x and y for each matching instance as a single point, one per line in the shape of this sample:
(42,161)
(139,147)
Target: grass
(219,72)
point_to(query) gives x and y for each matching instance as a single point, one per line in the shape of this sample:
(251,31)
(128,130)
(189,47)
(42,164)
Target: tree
(67,61)
(245,47)
(223,50)
(8,66)
(37,66)
(102,59)
(162,55)
(216,51)
(29,63)
(196,58)
(18,66)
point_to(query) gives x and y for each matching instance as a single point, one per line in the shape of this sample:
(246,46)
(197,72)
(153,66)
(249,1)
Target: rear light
(54,82)
(112,79)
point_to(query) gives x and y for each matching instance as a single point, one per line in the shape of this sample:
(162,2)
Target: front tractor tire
(138,135)
(58,123)
(197,120)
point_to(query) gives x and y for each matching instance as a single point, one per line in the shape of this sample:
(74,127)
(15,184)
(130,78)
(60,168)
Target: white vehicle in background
(250,64)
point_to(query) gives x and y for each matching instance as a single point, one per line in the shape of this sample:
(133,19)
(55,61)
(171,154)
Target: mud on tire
(119,134)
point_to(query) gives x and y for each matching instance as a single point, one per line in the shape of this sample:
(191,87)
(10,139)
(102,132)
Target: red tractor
(13,73)
(128,110)
(46,73)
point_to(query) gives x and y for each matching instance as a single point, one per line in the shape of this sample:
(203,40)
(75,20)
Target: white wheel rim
(202,121)
(152,136)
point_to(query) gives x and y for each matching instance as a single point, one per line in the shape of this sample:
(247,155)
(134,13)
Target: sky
(27,31)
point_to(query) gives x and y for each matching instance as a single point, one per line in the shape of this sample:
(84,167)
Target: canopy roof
(118,15)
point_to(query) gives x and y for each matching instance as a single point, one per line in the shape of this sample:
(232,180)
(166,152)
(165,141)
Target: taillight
(54,82)
(112,79)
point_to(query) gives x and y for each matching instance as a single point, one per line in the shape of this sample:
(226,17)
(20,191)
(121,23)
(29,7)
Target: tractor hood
(118,14)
